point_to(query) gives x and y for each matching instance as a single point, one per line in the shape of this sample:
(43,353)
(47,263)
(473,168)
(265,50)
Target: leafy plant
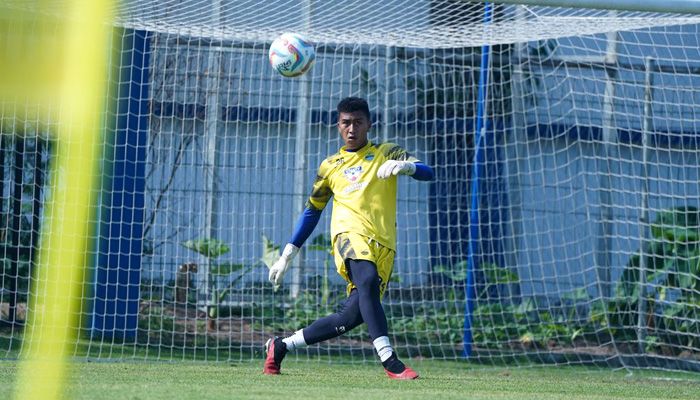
(428,325)
(270,252)
(672,256)
(494,276)
(212,249)
(456,272)
(498,323)
(670,286)
(494,323)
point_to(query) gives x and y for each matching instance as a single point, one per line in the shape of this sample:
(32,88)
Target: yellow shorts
(357,247)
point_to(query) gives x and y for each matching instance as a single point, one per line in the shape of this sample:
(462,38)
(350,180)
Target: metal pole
(513,141)
(211,125)
(650,66)
(302,125)
(605,227)
(300,156)
(389,53)
(479,139)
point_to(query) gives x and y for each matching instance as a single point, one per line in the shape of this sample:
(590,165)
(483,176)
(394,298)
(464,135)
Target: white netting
(429,24)
(589,159)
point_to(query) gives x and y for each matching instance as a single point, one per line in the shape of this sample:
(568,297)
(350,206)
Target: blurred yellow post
(74,85)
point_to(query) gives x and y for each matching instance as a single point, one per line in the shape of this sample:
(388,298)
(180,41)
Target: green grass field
(334,380)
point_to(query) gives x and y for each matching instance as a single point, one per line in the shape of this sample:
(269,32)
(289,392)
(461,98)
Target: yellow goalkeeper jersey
(362,203)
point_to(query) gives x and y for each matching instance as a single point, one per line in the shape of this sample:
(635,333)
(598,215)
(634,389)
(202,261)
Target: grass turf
(330,380)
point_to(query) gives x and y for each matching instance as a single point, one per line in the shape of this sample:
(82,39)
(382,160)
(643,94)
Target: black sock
(393,364)
(280,350)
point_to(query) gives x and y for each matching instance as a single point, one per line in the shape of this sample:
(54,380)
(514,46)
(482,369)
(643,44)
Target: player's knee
(350,321)
(348,313)
(364,275)
(369,281)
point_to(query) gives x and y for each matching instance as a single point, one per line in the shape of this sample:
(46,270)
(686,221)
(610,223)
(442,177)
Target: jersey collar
(362,150)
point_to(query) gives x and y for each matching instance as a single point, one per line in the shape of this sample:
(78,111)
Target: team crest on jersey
(353,173)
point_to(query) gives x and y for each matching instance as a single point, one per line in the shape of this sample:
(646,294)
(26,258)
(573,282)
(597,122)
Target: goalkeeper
(362,179)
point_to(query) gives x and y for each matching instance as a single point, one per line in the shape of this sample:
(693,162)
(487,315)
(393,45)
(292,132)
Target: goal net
(562,227)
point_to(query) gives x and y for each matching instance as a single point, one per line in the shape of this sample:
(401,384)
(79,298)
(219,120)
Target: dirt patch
(188,325)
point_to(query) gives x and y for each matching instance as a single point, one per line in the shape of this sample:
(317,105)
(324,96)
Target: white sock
(383,347)
(296,341)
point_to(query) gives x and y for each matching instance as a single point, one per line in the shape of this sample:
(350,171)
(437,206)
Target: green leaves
(226,268)
(493,274)
(270,252)
(670,288)
(456,272)
(214,248)
(671,257)
(321,242)
(677,224)
(210,248)
(496,275)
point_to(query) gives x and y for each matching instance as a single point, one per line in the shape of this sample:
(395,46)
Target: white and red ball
(291,54)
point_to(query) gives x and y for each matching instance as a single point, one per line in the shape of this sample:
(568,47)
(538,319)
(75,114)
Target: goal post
(116,277)
(477,164)
(562,226)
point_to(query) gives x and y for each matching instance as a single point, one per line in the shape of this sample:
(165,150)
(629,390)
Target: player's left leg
(345,319)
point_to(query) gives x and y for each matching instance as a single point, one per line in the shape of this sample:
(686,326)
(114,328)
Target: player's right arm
(399,162)
(306,223)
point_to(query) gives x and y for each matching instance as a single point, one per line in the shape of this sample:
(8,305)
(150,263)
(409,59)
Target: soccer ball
(291,54)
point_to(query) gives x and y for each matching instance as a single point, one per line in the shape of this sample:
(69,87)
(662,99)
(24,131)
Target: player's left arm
(400,162)
(423,172)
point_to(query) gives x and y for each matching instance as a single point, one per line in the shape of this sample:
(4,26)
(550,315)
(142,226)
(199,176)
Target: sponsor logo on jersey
(354,187)
(353,173)
(369,157)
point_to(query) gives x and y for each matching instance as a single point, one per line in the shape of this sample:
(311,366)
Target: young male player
(362,179)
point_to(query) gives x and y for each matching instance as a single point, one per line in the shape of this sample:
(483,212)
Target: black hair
(353,104)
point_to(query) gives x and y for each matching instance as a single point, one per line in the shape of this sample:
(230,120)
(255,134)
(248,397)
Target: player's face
(353,128)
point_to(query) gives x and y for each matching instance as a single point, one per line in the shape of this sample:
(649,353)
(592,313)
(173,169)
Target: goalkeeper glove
(393,167)
(278,269)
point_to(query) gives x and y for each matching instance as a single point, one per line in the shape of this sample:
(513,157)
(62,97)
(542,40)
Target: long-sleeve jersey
(362,202)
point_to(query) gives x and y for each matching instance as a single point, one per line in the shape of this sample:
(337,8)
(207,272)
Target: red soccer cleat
(275,351)
(407,374)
